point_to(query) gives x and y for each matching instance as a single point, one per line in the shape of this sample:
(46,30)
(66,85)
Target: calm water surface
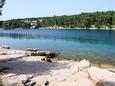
(95,45)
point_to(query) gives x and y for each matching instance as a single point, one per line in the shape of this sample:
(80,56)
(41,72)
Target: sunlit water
(95,45)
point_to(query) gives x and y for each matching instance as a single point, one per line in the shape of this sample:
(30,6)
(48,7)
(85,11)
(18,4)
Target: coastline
(17,68)
(61,28)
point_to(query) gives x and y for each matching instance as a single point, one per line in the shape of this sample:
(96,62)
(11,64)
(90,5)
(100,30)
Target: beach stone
(28,82)
(31,84)
(3,53)
(42,53)
(102,77)
(46,83)
(5,47)
(39,53)
(84,64)
(43,59)
(48,60)
(50,54)
(32,50)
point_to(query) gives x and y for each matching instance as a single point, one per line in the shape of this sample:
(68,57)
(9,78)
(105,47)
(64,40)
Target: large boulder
(102,77)
(84,64)
(38,53)
(35,52)
(32,50)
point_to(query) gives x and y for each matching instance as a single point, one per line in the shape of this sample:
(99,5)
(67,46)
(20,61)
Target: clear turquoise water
(95,45)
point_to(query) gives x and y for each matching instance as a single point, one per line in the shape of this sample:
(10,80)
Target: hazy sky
(39,8)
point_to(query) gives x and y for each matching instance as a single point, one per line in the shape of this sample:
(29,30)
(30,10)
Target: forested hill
(83,20)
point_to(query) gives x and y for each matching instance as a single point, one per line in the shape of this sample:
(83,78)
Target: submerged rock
(48,54)
(47,59)
(43,59)
(39,53)
(32,50)
(5,47)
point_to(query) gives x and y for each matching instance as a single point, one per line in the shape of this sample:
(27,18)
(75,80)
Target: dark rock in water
(31,49)
(50,54)
(36,52)
(48,60)
(44,59)
(42,53)
(5,47)
(46,83)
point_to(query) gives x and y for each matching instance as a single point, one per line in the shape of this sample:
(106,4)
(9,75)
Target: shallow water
(95,45)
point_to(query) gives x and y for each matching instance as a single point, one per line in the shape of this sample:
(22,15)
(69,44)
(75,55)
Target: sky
(42,8)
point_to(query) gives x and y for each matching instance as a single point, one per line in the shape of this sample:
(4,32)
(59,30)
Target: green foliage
(83,20)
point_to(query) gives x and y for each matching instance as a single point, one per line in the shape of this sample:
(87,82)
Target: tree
(2,2)
(84,20)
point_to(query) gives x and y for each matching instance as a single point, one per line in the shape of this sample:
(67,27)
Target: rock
(28,82)
(36,52)
(46,83)
(32,50)
(48,60)
(84,64)
(50,54)
(101,77)
(99,84)
(31,84)
(5,47)
(3,53)
(43,53)
(112,70)
(39,53)
(43,59)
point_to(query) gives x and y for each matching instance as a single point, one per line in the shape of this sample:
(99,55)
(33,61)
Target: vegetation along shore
(95,20)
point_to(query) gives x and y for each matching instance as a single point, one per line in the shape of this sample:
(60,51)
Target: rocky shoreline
(30,68)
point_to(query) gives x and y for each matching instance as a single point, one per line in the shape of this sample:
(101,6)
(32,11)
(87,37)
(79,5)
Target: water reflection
(96,45)
(82,36)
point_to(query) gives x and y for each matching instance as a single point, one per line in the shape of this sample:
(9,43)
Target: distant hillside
(83,20)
